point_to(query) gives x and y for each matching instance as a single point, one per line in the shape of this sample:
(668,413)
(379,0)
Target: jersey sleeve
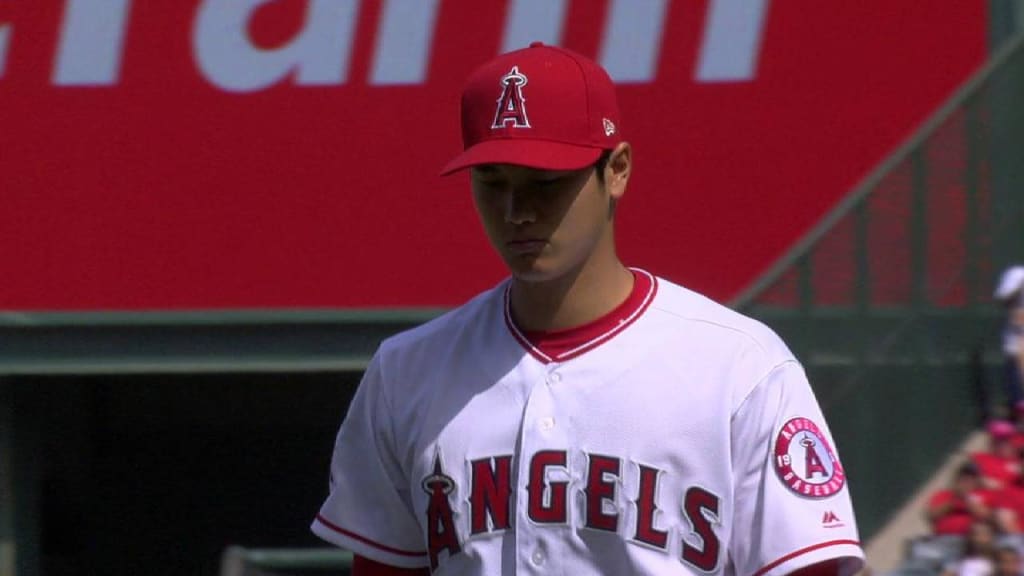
(792,501)
(368,510)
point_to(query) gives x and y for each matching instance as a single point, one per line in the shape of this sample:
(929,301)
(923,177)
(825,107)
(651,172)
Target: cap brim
(539,154)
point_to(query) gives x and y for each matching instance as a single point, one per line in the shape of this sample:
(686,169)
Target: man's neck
(570,300)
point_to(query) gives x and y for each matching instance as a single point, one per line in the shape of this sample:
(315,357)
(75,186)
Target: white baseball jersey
(673,436)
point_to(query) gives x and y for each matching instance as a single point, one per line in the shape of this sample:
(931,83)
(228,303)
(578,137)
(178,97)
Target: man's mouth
(526,246)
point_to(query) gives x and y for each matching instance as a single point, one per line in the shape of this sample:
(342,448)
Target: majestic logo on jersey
(512,104)
(805,462)
(441,533)
(831,520)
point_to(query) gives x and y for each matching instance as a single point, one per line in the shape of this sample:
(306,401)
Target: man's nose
(519,208)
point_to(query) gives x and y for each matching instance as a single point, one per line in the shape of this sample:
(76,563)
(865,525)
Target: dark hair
(601,163)
(968,469)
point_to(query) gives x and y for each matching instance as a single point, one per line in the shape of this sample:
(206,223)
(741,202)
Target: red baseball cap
(543,107)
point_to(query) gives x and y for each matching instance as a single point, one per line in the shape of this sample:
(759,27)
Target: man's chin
(531,270)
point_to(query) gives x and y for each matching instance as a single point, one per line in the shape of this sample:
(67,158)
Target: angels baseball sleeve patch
(805,462)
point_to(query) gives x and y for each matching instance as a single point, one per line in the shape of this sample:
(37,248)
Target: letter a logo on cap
(512,105)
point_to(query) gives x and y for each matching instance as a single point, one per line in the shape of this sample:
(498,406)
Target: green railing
(238,561)
(887,300)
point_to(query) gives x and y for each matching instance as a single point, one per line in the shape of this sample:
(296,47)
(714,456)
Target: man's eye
(549,181)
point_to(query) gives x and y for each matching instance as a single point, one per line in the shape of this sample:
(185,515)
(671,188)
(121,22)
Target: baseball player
(581,417)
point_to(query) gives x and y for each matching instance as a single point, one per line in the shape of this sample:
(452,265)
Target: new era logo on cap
(542,106)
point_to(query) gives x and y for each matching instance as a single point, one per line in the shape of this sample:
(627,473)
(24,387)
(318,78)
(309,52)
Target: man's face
(981,537)
(1008,563)
(543,223)
(966,483)
(1003,447)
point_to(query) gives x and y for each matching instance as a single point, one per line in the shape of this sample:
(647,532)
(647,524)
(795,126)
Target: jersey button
(555,378)
(537,558)
(547,423)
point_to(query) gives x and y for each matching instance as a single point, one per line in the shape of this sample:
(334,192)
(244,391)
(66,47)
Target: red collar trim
(562,345)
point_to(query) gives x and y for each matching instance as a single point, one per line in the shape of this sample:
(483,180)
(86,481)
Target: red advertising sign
(173,154)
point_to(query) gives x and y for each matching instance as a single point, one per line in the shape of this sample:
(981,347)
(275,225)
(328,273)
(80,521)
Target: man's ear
(617,170)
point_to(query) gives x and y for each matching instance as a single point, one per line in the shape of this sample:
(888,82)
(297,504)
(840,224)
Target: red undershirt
(561,345)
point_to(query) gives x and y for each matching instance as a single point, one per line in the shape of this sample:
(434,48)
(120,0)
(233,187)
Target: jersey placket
(545,488)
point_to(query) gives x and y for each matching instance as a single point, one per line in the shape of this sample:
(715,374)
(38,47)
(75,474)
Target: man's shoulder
(445,328)
(707,319)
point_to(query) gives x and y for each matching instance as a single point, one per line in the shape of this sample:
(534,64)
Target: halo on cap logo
(805,462)
(511,110)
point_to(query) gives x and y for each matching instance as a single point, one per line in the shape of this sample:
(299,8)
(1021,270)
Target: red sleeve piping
(365,540)
(803,551)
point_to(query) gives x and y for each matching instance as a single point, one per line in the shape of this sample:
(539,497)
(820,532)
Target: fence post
(972,199)
(919,231)
(805,283)
(862,289)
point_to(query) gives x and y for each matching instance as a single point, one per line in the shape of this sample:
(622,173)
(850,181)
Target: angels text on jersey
(550,492)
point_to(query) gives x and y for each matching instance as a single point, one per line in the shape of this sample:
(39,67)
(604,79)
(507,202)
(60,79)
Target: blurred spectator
(1008,509)
(1010,293)
(979,558)
(1008,561)
(1000,465)
(955,510)
(1018,422)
